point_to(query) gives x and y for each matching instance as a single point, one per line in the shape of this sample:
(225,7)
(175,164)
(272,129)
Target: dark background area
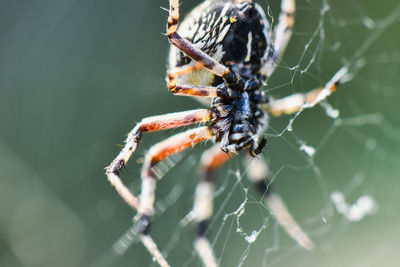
(75,77)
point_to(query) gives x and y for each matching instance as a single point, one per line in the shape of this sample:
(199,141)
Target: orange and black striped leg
(282,34)
(149,124)
(203,203)
(193,90)
(157,153)
(257,172)
(296,102)
(191,51)
(174,73)
(203,91)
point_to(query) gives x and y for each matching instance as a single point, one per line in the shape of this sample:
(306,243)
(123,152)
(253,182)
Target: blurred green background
(75,76)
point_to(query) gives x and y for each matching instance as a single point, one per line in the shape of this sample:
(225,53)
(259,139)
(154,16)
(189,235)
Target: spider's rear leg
(293,103)
(257,172)
(157,153)
(203,203)
(191,51)
(149,124)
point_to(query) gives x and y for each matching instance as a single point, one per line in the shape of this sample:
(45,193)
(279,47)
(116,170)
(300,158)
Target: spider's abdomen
(232,32)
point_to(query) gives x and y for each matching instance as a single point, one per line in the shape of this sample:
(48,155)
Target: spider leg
(257,173)
(296,102)
(281,36)
(191,51)
(202,91)
(194,90)
(203,203)
(174,73)
(157,153)
(149,124)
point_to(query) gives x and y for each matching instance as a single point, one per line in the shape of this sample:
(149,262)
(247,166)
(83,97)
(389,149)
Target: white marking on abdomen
(250,39)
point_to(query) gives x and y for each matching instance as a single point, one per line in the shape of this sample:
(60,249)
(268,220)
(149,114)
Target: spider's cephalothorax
(236,34)
(237,121)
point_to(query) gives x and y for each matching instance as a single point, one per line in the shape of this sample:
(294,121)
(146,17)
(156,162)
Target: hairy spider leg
(257,172)
(191,51)
(281,37)
(293,103)
(151,246)
(174,73)
(203,203)
(194,90)
(150,124)
(157,153)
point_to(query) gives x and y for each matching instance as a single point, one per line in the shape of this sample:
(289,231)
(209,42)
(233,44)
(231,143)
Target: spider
(223,52)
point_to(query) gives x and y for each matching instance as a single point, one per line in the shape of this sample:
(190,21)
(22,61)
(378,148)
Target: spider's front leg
(191,51)
(257,172)
(149,124)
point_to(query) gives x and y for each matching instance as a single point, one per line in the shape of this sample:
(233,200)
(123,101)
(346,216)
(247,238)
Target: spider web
(303,157)
(335,165)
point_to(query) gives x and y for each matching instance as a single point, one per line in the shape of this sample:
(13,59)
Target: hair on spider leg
(124,169)
(165,9)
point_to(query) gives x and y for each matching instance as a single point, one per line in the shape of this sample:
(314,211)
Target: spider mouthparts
(257,150)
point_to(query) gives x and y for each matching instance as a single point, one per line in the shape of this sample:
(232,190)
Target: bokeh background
(75,76)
